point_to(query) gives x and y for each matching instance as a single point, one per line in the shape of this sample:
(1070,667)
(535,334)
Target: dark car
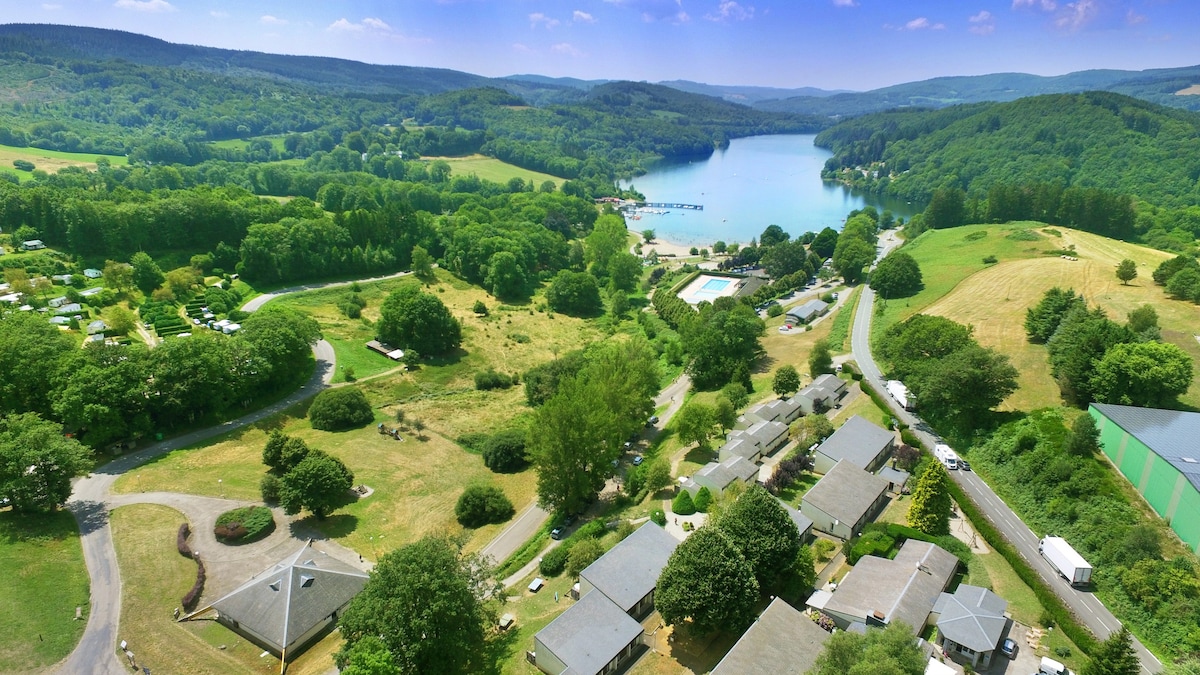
(1009,648)
(556,533)
(652,421)
(962,464)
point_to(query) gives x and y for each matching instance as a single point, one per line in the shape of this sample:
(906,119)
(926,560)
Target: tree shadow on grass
(701,454)
(498,651)
(30,527)
(336,526)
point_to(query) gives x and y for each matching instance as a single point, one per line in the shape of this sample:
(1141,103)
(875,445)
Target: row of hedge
(193,596)
(555,560)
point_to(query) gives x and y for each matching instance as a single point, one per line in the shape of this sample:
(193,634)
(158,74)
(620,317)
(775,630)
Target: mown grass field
(45,579)
(993,298)
(490,168)
(154,577)
(240,143)
(50,161)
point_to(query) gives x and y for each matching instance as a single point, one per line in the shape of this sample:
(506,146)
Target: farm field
(42,563)
(50,161)
(154,578)
(993,298)
(490,168)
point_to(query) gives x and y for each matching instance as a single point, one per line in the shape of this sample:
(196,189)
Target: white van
(1052,667)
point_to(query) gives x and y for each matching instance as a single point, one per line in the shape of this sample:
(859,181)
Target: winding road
(1086,606)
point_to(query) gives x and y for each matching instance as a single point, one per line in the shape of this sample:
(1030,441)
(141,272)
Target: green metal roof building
(1159,452)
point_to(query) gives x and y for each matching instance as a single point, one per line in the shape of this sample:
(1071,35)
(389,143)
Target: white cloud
(582,17)
(1133,18)
(982,23)
(845,3)
(728,9)
(566,49)
(1044,5)
(145,5)
(218,15)
(521,49)
(922,23)
(981,17)
(272,20)
(51,7)
(1076,15)
(368,23)
(537,18)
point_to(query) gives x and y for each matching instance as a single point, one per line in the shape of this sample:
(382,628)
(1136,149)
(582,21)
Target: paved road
(1085,605)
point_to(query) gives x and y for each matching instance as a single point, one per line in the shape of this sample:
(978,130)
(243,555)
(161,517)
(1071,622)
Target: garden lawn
(490,168)
(154,577)
(417,483)
(45,579)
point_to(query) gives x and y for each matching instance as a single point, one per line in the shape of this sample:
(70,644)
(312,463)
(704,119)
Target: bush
(481,505)
(244,525)
(823,548)
(659,517)
(23,165)
(702,500)
(582,554)
(989,260)
(555,561)
(480,308)
(490,379)
(504,452)
(683,505)
(269,487)
(774,310)
(193,596)
(870,543)
(339,409)
(473,442)
(181,541)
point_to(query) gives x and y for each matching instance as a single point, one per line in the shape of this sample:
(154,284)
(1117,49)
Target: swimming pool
(716,285)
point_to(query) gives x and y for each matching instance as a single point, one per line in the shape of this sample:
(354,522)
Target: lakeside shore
(666,247)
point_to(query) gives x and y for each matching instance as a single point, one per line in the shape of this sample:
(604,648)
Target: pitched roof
(803,522)
(809,309)
(741,445)
(630,569)
(740,468)
(1170,434)
(857,441)
(902,589)
(846,492)
(831,382)
(590,633)
(782,641)
(285,601)
(972,617)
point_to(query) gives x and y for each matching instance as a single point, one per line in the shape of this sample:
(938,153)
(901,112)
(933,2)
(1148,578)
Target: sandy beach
(670,248)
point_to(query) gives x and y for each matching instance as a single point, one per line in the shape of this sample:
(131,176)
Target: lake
(755,182)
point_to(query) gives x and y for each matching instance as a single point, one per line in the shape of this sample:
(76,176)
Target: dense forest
(1040,158)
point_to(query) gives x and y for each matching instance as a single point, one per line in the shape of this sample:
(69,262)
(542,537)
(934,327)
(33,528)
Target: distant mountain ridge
(1157,86)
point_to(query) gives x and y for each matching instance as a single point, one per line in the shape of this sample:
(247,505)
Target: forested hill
(1158,86)
(1094,139)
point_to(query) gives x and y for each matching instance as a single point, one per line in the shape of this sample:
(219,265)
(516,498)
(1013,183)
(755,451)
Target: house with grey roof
(782,641)
(822,394)
(90,292)
(878,592)
(859,442)
(600,633)
(782,410)
(718,476)
(289,605)
(593,636)
(755,441)
(628,573)
(69,308)
(970,624)
(844,500)
(97,326)
(803,523)
(807,312)
(58,302)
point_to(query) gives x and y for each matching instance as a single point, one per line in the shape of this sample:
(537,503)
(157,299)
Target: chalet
(754,442)
(878,592)
(822,394)
(970,624)
(859,442)
(97,326)
(718,476)
(91,292)
(58,302)
(781,641)
(844,500)
(92,273)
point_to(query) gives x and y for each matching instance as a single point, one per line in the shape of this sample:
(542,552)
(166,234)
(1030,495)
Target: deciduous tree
(820,361)
(146,274)
(696,423)
(429,606)
(1126,271)
(765,534)
(37,463)
(931,504)
(708,581)
(339,409)
(896,276)
(481,505)
(891,651)
(411,318)
(786,381)
(1146,374)
(318,483)
(574,293)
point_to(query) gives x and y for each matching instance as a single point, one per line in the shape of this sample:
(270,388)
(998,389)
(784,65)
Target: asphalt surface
(1090,611)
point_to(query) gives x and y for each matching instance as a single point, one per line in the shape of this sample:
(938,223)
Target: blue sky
(833,44)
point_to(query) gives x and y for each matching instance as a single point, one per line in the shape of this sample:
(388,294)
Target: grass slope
(490,168)
(45,579)
(50,161)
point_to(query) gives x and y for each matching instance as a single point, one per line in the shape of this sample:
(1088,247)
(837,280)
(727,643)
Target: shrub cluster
(683,504)
(555,560)
(193,596)
(504,451)
(181,541)
(872,542)
(341,408)
(787,472)
(490,379)
(244,525)
(481,505)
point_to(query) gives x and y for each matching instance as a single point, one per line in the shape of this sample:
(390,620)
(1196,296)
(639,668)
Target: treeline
(106,393)
(1054,479)
(1088,209)
(1094,358)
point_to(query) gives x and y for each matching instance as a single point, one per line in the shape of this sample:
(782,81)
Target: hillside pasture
(490,168)
(994,301)
(50,161)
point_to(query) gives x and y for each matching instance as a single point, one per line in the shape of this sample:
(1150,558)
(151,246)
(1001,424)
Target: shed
(781,641)
(286,606)
(70,308)
(808,311)
(97,326)
(859,442)
(844,500)
(92,273)
(896,478)
(536,584)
